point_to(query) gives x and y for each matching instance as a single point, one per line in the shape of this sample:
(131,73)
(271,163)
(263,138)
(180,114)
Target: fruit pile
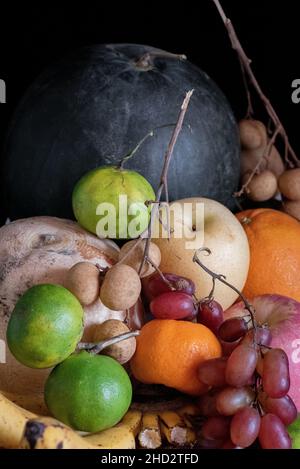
(224,362)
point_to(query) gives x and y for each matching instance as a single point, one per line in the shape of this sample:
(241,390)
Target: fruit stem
(132,152)
(145,62)
(96,348)
(164,279)
(164,173)
(245,63)
(222,279)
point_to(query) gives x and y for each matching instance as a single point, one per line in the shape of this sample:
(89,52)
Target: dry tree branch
(290,156)
(164,174)
(163,184)
(256,168)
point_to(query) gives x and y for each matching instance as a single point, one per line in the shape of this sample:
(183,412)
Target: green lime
(294,432)
(110,202)
(45,326)
(88,392)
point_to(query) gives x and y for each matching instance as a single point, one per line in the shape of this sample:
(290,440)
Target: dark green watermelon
(93,107)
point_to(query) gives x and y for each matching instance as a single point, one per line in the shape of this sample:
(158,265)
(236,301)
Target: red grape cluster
(248,400)
(170,296)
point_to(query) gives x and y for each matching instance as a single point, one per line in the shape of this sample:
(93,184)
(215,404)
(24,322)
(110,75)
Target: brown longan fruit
(134,259)
(83,280)
(122,351)
(253,134)
(121,288)
(289,184)
(250,158)
(262,187)
(292,207)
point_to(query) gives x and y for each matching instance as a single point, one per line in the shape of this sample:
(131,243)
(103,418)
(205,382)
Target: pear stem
(96,348)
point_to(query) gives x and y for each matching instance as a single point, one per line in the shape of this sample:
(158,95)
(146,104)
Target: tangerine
(169,352)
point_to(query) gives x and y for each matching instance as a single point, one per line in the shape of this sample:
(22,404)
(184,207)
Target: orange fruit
(274,240)
(169,352)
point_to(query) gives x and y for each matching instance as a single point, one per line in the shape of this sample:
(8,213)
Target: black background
(34,35)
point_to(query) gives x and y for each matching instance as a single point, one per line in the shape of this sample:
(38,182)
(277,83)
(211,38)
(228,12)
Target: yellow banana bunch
(12,422)
(48,433)
(20,428)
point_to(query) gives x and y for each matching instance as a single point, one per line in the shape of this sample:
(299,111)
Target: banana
(191,415)
(175,430)
(48,433)
(150,436)
(118,437)
(133,419)
(12,422)
(33,402)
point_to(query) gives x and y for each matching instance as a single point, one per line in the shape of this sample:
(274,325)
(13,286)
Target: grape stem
(164,279)
(221,278)
(96,348)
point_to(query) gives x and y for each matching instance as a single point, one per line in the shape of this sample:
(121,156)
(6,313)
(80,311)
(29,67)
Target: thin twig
(164,174)
(167,282)
(265,156)
(222,279)
(95,348)
(236,45)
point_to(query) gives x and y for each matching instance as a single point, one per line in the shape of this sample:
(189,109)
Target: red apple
(282,315)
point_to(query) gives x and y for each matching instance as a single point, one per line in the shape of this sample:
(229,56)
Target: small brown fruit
(122,351)
(250,158)
(83,280)
(253,134)
(292,207)
(121,288)
(134,259)
(289,184)
(263,186)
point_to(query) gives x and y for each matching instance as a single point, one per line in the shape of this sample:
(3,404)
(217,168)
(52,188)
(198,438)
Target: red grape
(209,443)
(154,285)
(211,315)
(212,372)
(244,427)
(276,376)
(232,329)
(172,305)
(260,365)
(263,336)
(273,434)
(228,347)
(230,400)
(283,407)
(241,365)
(207,404)
(229,445)
(216,428)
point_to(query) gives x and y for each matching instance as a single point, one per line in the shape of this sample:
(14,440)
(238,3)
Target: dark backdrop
(32,35)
